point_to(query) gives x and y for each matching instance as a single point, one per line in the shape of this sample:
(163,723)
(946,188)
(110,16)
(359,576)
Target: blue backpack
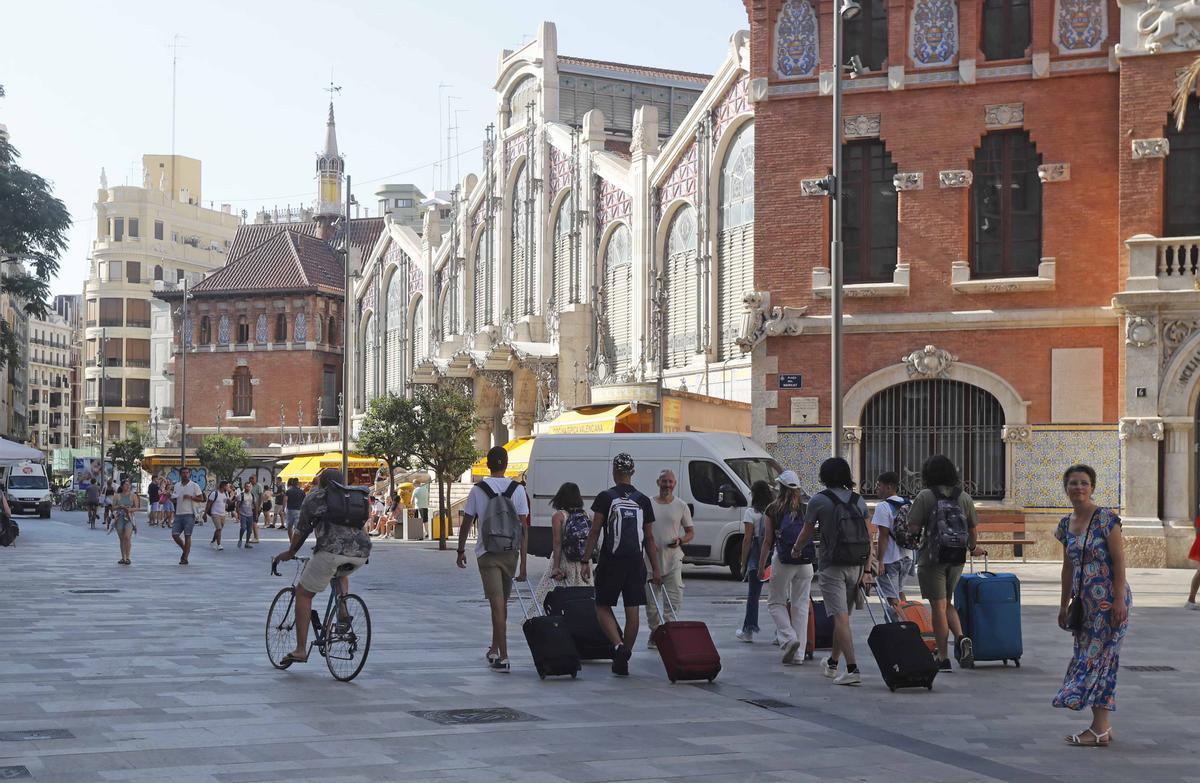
(575,531)
(785,540)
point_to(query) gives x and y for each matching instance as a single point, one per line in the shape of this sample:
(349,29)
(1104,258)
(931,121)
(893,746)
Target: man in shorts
(152,493)
(339,550)
(295,500)
(891,561)
(188,499)
(92,501)
(621,576)
(218,503)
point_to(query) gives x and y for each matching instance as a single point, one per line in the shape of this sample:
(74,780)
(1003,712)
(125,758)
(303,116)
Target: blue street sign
(790,381)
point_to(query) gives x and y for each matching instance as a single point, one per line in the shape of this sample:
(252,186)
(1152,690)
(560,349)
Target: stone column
(1140,438)
(644,150)
(1177,470)
(483,436)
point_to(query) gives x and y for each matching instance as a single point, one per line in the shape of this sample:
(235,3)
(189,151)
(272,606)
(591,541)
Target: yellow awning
(593,421)
(333,459)
(518,459)
(303,468)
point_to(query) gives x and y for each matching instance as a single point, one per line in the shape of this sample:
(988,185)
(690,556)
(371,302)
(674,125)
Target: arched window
(281,327)
(1007,206)
(735,239)
(158,273)
(243,392)
(318,328)
(393,320)
(566,274)
(205,330)
(419,347)
(522,94)
(450,301)
(904,424)
(370,363)
(223,330)
(867,34)
(618,300)
(333,331)
(243,330)
(683,289)
(1006,32)
(300,332)
(522,277)
(869,213)
(260,328)
(482,279)
(1181,217)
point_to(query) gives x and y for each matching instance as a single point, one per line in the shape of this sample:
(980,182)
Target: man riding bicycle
(92,502)
(339,549)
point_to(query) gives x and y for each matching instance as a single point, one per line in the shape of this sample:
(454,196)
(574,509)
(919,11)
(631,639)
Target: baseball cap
(623,463)
(789,479)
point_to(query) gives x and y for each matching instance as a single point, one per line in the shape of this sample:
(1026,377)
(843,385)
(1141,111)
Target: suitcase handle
(867,602)
(986,568)
(521,599)
(658,604)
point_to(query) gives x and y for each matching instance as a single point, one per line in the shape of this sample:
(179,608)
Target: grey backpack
(500,527)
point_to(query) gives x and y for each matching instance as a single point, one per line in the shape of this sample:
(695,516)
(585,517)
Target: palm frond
(1189,81)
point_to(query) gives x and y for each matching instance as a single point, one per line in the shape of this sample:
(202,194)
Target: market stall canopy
(13,451)
(596,420)
(333,459)
(304,468)
(518,459)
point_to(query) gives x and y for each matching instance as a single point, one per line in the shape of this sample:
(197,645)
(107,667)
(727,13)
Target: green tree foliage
(383,434)
(126,454)
(33,234)
(222,456)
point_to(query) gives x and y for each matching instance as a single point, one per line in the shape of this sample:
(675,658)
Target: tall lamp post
(346,309)
(848,9)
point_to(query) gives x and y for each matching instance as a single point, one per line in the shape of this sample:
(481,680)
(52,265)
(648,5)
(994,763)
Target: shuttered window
(565,285)
(419,349)
(869,222)
(618,304)
(523,290)
(683,289)
(393,319)
(243,400)
(370,360)
(478,282)
(735,240)
(1007,206)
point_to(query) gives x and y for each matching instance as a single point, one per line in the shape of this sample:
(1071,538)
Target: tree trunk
(391,481)
(443,511)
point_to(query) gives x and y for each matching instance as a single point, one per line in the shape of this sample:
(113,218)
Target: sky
(88,86)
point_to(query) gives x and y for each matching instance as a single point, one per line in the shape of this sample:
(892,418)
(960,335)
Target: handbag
(1075,608)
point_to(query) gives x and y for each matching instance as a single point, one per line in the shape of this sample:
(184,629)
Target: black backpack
(346,505)
(9,530)
(847,540)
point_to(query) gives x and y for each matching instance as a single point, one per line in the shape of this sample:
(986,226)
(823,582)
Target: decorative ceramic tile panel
(802,452)
(934,33)
(682,182)
(1038,465)
(612,203)
(560,170)
(1080,25)
(260,328)
(734,103)
(301,333)
(796,52)
(223,330)
(514,147)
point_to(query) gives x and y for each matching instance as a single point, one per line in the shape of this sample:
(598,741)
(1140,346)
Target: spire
(331,149)
(103,179)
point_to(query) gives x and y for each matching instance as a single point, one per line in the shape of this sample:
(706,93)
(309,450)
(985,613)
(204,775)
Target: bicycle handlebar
(275,567)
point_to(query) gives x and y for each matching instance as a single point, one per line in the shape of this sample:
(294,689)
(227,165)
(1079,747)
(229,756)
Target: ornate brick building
(1006,176)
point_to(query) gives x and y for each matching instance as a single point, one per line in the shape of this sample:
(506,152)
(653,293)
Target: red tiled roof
(363,234)
(636,70)
(288,261)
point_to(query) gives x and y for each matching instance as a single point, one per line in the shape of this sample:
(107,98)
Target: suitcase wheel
(574,675)
(710,679)
(892,688)
(1017,662)
(929,686)
(541,675)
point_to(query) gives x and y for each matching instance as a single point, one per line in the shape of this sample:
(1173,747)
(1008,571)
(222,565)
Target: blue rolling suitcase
(989,607)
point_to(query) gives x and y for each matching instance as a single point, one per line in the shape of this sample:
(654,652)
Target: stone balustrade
(1163,263)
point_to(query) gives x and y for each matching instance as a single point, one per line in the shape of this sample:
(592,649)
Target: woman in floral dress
(1091,538)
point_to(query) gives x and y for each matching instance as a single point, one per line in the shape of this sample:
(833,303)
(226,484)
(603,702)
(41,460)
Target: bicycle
(343,640)
(66,501)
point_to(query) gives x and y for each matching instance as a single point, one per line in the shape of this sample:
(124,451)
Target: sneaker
(848,678)
(827,670)
(220,548)
(239,543)
(965,652)
(944,666)
(500,665)
(620,664)
(789,651)
(808,656)
(249,547)
(1192,605)
(183,561)
(650,645)
(744,635)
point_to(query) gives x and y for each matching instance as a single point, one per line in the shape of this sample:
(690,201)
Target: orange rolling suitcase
(918,613)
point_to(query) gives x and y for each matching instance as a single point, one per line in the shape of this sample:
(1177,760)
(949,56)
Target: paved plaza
(166,679)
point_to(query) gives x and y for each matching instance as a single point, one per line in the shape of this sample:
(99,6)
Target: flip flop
(289,659)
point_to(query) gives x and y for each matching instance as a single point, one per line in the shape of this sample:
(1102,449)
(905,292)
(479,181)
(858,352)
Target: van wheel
(733,557)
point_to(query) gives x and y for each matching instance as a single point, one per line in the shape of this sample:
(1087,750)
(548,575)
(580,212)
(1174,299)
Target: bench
(1010,528)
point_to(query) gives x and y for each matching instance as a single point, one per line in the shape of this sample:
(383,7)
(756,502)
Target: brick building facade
(998,156)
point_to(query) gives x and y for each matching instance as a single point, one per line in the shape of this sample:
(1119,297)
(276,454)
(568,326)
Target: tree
(1189,81)
(222,455)
(440,422)
(384,436)
(33,234)
(126,454)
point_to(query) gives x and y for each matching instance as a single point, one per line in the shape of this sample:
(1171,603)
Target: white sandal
(1101,739)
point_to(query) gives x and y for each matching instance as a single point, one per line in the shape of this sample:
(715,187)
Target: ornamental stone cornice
(1149,428)
(929,362)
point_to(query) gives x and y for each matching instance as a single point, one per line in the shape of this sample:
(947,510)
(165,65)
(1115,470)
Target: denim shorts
(183,524)
(891,582)
(247,521)
(293,516)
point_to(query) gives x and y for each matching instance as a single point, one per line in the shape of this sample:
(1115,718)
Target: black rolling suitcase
(550,642)
(904,659)
(577,605)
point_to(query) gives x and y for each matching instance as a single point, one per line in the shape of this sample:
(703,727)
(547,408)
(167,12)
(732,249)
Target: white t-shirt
(883,518)
(220,501)
(670,520)
(182,496)
(477,501)
(757,520)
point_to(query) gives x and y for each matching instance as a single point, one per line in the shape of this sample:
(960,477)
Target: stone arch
(1175,398)
(663,229)
(1015,409)
(720,158)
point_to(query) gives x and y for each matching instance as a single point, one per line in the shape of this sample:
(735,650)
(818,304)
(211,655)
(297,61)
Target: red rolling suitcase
(686,648)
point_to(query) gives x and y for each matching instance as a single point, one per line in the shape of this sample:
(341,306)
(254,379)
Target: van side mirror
(729,497)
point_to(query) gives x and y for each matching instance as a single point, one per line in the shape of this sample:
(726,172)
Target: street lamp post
(183,346)
(103,392)
(346,335)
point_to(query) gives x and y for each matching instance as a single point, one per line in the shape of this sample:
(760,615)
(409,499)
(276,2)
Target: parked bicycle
(66,501)
(343,639)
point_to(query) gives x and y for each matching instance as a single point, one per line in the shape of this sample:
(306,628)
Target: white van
(714,472)
(27,488)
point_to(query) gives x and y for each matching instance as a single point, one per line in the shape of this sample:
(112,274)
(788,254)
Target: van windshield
(752,469)
(27,482)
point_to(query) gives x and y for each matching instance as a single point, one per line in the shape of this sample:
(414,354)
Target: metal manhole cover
(1151,668)
(93,590)
(473,716)
(33,735)
(767,704)
(12,773)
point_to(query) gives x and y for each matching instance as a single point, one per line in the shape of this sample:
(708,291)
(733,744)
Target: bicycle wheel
(347,641)
(281,626)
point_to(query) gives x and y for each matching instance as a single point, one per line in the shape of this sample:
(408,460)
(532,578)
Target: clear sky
(89,84)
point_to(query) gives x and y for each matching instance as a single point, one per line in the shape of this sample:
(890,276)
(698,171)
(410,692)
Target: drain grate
(93,590)
(767,704)
(32,735)
(1150,668)
(474,716)
(13,773)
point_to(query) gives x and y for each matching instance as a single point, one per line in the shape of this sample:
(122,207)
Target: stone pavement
(167,680)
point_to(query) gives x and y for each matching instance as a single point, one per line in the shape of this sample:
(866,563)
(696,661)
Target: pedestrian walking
(421,503)
(125,503)
(187,498)
(219,502)
(845,547)
(627,518)
(1194,557)
(295,499)
(1094,605)
(792,572)
(501,507)
(892,562)
(257,492)
(947,519)
(166,502)
(279,504)
(246,509)
(569,528)
(754,525)
(672,528)
(152,496)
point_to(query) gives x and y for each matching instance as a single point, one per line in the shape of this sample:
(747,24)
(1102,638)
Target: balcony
(1163,263)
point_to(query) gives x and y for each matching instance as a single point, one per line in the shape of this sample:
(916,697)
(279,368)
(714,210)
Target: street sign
(790,381)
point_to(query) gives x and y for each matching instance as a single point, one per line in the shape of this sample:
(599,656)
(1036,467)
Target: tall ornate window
(333,332)
(1007,207)
(618,301)
(869,213)
(904,424)
(522,94)
(1006,31)
(370,363)
(243,330)
(481,279)
(205,330)
(735,239)
(1181,216)
(223,330)
(301,329)
(522,274)
(683,289)
(260,328)
(867,34)
(419,349)
(281,327)
(393,323)
(566,275)
(243,392)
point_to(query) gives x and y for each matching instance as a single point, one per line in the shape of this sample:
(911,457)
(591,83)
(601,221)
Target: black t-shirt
(295,498)
(152,491)
(604,501)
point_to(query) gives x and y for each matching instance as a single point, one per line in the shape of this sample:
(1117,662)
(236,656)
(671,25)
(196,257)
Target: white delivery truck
(27,488)
(714,472)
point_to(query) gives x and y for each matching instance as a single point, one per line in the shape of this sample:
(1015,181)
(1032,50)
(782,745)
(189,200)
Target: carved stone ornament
(1054,172)
(861,126)
(1175,333)
(956,178)
(1170,25)
(1141,429)
(851,435)
(761,320)
(1150,148)
(929,362)
(812,187)
(1004,115)
(909,180)
(1016,433)
(1139,332)
(757,90)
